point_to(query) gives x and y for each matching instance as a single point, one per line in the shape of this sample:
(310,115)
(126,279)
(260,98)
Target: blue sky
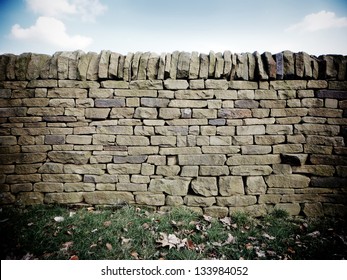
(46,26)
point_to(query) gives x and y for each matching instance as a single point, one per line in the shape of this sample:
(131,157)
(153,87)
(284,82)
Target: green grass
(135,233)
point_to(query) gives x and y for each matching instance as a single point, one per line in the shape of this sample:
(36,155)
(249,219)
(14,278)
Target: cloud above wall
(49,30)
(87,10)
(322,20)
(50,27)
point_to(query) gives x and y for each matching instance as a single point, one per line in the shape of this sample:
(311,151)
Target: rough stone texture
(217,133)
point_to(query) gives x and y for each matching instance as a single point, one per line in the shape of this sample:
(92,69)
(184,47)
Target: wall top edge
(108,65)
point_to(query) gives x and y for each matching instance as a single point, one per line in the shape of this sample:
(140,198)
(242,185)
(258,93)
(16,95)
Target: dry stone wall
(218,133)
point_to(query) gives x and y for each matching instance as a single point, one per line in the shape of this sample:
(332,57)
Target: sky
(46,26)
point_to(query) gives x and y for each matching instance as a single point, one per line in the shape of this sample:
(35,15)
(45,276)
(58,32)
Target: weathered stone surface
(152,199)
(253,159)
(75,157)
(123,168)
(79,187)
(63,198)
(255,185)
(107,197)
(206,186)
(293,209)
(287,181)
(191,200)
(171,186)
(201,159)
(183,65)
(171,170)
(230,185)
(313,209)
(237,200)
(216,211)
(251,170)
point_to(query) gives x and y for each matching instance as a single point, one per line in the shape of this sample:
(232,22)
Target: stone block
(75,157)
(105,178)
(205,186)
(253,159)
(176,84)
(64,198)
(201,159)
(166,171)
(255,185)
(191,200)
(131,187)
(79,187)
(126,140)
(145,113)
(152,199)
(189,171)
(216,211)
(237,200)
(30,198)
(50,167)
(230,185)
(108,197)
(313,209)
(234,113)
(115,169)
(97,113)
(287,181)
(174,200)
(172,186)
(24,187)
(250,170)
(213,170)
(250,130)
(293,209)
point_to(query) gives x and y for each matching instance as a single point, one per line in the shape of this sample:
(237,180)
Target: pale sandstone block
(191,200)
(287,181)
(255,185)
(231,185)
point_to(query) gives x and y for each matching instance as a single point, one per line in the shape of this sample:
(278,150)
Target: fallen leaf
(135,255)
(291,250)
(93,245)
(94,230)
(230,240)
(66,246)
(207,218)
(314,234)
(109,246)
(107,223)
(171,240)
(69,232)
(260,254)
(226,221)
(190,245)
(125,240)
(30,224)
(72,214)
(74,257)
(271,253)
(267,236)
(59,219)
(249,246)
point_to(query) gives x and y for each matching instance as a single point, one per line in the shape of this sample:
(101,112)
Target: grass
(55,232)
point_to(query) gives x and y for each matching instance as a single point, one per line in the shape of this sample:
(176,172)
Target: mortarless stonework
(217,133)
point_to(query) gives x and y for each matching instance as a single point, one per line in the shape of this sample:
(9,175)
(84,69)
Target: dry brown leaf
(135,255)
(207,218)
(125,240)
(230,240)
(109,246)
(107,223)
(66,246)
(74,257)
(267,236)
(226,221)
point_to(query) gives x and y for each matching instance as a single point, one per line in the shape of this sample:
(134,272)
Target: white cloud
(87,10)
(50,31)
(319,21)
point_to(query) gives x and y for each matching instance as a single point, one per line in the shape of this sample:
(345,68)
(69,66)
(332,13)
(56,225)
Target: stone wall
(218,133)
